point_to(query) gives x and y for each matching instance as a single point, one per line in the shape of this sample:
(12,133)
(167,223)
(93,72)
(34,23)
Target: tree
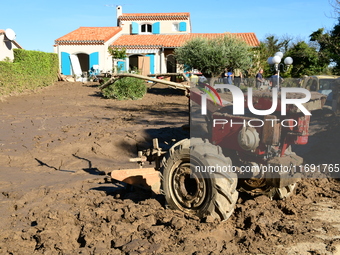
(117,53)
(212,56)
(269,47)
(307,60)
(336,5)
(335,46)
(329,45)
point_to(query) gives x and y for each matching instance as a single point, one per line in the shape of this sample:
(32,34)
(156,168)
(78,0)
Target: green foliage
(212,56)
(117,53)
(125,88)
(333,41)
(268,48)
(29,70)
(329,42)
(307,60)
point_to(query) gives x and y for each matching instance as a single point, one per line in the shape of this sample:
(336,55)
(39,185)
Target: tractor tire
(199,193)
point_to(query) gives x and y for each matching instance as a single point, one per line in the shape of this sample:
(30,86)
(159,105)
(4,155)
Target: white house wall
(166,26)
(6,48)
(105,59)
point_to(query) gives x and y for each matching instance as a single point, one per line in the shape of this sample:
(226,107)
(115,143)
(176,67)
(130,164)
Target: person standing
(230,77)
(274,79)
(259,79)
(238,77)
(225,76)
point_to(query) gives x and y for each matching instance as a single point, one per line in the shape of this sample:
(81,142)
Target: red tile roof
(176,40)
(155,16)
(89,35)
(2,31)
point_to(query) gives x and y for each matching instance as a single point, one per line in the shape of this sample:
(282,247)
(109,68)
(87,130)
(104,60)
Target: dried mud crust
(58,145)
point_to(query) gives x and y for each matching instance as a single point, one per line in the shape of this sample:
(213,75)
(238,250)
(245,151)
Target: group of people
(230,77)
(235,77)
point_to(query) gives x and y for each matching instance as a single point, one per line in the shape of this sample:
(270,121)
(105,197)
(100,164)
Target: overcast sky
(38,23)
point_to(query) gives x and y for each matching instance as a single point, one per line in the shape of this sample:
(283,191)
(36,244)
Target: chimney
(119,12)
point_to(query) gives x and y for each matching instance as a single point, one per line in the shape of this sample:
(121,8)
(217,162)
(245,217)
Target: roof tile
(155,16)
(89,35)
(157,41)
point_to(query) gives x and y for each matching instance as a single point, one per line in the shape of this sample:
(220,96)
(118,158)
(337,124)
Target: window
(146,28)
(175,27)
(179,26)
(326,84)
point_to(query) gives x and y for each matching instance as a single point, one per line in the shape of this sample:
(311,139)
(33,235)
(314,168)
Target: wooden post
(175,85)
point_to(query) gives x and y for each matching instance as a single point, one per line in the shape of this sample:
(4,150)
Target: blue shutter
(182,26)
(152,63)
(65,63)
(121,66)
(135,28)
(94,60)
(156,28)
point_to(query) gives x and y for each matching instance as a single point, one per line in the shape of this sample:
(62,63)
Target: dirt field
(58,145)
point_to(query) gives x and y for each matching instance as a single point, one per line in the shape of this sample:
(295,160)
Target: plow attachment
(146,178)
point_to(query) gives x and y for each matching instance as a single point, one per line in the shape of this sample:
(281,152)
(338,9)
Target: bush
(125,88)
(29,70)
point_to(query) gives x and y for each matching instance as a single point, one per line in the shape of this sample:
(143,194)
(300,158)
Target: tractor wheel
(198,192)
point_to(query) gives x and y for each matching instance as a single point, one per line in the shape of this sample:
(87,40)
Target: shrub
(125,88)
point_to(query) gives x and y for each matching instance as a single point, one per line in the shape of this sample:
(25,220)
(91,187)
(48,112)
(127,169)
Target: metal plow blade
(146,178)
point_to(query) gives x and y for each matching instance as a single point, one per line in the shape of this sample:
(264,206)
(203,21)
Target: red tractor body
(260,140)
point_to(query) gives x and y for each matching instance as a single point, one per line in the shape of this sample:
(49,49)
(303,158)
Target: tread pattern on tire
(223,185)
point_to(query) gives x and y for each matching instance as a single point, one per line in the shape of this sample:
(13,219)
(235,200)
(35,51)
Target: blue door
(94,60)
(65,63)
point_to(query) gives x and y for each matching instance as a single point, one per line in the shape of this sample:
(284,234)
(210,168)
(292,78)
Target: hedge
(28,71)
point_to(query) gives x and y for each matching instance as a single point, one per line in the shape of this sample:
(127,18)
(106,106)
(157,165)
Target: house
(148,38)
(7,44)
(89,46)
(158,50)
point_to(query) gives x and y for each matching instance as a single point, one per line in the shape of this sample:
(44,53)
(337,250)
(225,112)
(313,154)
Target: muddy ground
(58,145)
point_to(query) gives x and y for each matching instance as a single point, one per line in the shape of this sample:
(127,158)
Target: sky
(38,23)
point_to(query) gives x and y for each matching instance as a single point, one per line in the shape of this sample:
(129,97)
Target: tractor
(251,153)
